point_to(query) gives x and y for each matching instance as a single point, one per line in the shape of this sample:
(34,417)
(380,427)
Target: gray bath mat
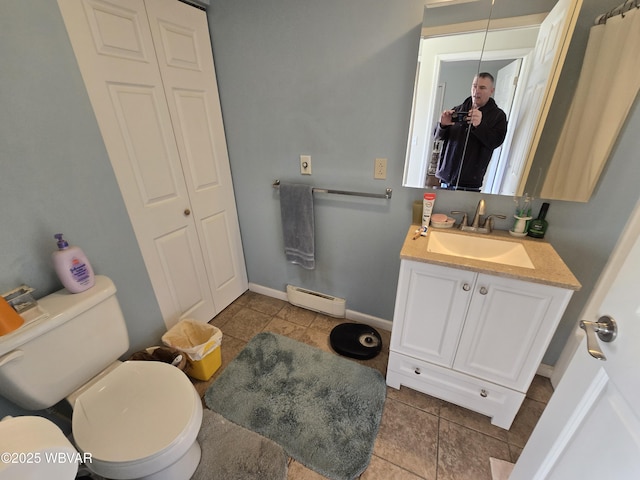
(230,452)
(323,409)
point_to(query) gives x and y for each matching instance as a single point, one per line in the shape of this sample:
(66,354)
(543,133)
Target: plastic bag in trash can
(194,338)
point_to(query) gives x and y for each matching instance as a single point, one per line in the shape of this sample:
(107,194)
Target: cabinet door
(508,328)
(430,307)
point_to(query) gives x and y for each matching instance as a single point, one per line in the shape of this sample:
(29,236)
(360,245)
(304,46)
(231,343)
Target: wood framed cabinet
(473,339)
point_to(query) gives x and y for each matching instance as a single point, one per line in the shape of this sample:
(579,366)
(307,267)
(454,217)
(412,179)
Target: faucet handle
(488,222)
(464,217)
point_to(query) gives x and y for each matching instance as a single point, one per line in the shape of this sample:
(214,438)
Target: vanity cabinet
(473,339)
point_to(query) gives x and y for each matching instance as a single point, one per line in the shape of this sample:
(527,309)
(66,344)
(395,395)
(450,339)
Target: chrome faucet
(475,224)
(487,224)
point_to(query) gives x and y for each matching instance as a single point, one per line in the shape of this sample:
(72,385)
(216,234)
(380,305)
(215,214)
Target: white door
(506,86)
(115,49)
(547,58)
(183,49)
(591,426)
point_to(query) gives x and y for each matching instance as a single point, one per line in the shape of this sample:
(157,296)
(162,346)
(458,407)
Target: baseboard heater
(318,302)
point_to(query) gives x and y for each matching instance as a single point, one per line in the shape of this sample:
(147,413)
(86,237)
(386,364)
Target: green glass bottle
(538,227)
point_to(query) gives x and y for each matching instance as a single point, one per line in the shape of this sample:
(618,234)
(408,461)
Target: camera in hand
(459,117)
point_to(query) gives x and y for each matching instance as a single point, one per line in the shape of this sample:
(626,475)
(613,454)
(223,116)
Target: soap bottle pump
(72,266)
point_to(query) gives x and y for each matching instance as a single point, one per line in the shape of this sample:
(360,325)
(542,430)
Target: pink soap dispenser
(72,266)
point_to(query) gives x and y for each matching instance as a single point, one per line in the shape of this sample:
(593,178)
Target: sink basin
(478,248)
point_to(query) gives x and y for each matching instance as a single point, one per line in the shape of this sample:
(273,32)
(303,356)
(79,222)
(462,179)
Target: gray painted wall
(55,175)
(334,80)
(458,77)
(331,79)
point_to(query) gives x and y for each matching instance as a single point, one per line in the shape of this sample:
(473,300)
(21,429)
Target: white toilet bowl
(131,420)
(140,421)
(34,448)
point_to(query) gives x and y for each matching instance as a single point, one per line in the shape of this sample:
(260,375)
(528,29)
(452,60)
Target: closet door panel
(151,155)
(179,255)
(195,122)
(182,42)
(115,52)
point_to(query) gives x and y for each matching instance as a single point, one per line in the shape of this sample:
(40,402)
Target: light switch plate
(305,164)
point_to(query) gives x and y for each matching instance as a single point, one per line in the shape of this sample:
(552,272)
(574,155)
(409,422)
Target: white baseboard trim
(500,469)
(545,370)
(269,292)
(359,317)
(375,322)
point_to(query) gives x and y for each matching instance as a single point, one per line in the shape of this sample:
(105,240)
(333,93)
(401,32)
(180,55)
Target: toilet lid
(137,410)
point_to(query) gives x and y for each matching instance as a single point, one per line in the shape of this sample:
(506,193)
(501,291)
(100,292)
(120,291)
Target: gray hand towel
(296,209)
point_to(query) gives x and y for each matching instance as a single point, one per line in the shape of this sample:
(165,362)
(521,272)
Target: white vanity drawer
(497,402)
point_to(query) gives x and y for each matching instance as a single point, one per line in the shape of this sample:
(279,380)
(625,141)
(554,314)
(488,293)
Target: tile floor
(420,437)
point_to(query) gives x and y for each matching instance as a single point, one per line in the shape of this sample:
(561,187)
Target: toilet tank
(45,360)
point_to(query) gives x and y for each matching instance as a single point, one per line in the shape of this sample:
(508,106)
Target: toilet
(131,420)
(35,445)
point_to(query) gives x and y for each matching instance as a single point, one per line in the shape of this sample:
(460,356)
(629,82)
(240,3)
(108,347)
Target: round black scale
(355,340)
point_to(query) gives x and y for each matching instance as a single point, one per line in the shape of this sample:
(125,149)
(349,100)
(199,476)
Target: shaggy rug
(230,452)
(323,409)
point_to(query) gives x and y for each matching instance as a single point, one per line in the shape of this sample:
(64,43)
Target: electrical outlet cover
(380,169)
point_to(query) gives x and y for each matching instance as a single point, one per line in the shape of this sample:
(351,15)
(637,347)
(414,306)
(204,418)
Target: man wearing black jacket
(473,129)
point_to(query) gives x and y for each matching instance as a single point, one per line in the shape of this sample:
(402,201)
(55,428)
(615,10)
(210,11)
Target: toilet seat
(138,419)
(31,442)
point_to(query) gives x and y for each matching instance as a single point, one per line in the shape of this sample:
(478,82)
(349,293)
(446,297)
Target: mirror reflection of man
(485,125)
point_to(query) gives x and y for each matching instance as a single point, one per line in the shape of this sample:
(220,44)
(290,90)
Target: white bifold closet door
(148,69)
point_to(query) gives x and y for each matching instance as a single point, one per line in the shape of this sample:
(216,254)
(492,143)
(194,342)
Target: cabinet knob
(483,393)
(483,290)
(417,371)
(466,287)
(187,212)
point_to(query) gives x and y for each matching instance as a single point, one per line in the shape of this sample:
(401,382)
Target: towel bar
(387,194)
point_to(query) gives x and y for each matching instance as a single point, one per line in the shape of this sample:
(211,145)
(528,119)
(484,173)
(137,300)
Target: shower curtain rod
(619,10)
(387,194)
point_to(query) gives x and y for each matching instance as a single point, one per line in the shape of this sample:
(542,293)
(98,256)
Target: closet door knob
(187,212)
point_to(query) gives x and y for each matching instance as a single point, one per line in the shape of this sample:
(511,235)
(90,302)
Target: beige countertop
(549,269)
